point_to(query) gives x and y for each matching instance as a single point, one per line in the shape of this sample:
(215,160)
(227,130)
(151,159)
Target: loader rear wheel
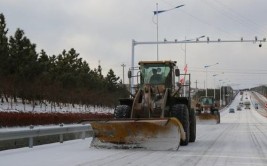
(180,111)
(192,119)
(122,112)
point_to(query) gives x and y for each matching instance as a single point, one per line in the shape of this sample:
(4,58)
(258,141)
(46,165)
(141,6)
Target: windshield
(154,73)
(206,101)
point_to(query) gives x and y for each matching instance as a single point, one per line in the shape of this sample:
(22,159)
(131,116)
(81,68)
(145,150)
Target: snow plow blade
(151,134)
(207,118)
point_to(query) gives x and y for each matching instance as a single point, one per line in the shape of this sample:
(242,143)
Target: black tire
(197,112)
(192,119)
(180,111)
(122,112)
(217,113)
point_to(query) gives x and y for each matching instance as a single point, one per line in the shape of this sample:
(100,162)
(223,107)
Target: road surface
(240,140)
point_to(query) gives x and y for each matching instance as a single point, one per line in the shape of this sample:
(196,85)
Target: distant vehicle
(207,108)
(238,108)
(231,110)
(247,104)
(241,104)
(256,106)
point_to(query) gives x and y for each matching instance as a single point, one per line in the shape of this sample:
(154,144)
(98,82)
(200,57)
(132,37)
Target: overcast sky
(102,32)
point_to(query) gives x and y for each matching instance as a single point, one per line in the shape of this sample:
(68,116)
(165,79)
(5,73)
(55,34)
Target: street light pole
(214,76)
(206,85)
(220,93)
(157,32)
(185,64)
(223,92)
(185,53)
(223,95)
(157,12)
(214,86)
(188,40)
(123,65)
(207,76)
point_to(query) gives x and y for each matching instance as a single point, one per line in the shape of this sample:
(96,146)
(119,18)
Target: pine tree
(111,80)
(4,56)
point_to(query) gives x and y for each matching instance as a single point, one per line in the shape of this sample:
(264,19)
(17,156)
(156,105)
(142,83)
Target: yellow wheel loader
(207,110)
(156,118)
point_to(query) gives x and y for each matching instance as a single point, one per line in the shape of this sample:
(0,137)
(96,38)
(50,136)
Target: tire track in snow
(258,136)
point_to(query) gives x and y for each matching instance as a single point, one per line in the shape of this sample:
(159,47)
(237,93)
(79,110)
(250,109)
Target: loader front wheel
(180,111)
(122,112)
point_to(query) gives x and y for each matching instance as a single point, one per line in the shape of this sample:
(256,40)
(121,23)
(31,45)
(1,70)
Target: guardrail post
(61,135)
(31,138)
(83,135)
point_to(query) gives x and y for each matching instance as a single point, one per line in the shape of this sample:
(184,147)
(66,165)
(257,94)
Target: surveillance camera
(260,45)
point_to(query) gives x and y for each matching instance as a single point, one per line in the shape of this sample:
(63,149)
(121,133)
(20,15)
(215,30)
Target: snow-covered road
(240,139)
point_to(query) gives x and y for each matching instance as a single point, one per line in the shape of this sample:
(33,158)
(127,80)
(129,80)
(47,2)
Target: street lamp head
(197,39)
(162,11)
(211,65)
(159,11)
(178,6)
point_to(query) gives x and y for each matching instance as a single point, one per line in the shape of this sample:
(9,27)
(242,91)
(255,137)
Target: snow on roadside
(50,107)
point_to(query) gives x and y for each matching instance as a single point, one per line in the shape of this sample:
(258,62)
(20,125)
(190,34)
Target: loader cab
(157,73)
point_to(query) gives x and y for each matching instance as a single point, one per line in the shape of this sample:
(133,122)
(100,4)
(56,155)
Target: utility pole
(196,91)
(123,65)
(196,84)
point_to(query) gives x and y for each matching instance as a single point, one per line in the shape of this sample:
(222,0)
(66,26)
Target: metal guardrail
(32,132)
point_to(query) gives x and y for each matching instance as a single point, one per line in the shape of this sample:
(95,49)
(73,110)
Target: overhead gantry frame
(196,41)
